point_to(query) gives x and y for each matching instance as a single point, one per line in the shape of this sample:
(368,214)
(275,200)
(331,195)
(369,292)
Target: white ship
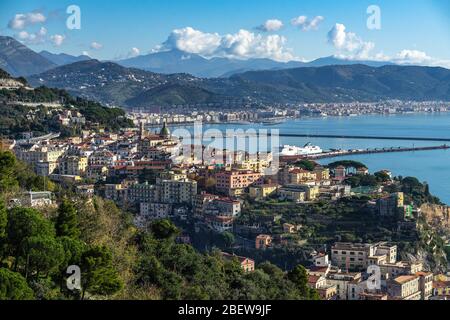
(307,149)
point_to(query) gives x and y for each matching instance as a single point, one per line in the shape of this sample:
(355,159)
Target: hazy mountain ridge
(62,58)
(113,84)
(175,61)
(106,82)
(18,60)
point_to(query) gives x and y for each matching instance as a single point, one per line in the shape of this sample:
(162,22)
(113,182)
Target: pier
(301,135)
(340,153)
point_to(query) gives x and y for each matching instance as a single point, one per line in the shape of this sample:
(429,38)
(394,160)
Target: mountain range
(61,59)
(113,84)
(186,79)
(19,60)
(176,61)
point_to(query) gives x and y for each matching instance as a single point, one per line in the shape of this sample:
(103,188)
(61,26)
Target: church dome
(165,132)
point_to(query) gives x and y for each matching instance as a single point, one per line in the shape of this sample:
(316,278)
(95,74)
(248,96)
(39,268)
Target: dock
(335,136)
(351,152)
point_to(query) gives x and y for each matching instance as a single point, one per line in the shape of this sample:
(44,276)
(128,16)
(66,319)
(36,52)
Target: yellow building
(262,191)
(322,174)
(298,176)
(73,165)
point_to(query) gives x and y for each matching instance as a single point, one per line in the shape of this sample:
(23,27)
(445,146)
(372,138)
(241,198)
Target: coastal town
(220,159)
(273,114)
(141,171)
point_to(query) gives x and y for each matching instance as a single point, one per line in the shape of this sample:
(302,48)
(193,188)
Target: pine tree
(67,221)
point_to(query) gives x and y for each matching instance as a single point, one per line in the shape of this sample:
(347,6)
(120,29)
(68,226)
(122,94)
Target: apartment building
(404,287)
(220,223)
(298,193)
(263,191)
(390,205)
(73,165)
(223,207)
(144,192)
(235,182)
(347,284)
(358,256)
(425,284)
(178,191)
(34,154)
(155,210)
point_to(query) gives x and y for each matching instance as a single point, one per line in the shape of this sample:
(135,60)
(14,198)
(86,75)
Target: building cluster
(366,108)
(147,173)
(244,115)
(363,271)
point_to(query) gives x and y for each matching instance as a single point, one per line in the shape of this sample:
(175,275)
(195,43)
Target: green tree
(42,254)
(306,164)
(164,229)
(3,221)
(228,239)
(67,220)
(7,165)
(98,276)
(24,223)
(382,176)
(299,276)
(13,286)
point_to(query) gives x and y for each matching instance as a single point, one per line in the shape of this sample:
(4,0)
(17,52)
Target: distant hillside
(61,59)
(174,94)
(106,82)
(355,82)
(113,84)
(333,61)
(18,60)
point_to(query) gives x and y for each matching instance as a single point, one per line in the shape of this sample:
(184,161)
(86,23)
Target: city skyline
(293,31)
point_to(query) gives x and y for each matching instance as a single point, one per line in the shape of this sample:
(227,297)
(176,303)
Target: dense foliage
(116,260)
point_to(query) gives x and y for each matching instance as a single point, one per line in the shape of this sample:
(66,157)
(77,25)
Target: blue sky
(410,30)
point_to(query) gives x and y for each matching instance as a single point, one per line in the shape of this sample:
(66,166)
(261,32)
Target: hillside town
(145,173)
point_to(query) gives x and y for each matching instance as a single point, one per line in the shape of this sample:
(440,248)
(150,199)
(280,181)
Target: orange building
(234,182)
(263,241)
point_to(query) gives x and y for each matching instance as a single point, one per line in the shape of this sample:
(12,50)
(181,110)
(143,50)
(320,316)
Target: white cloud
(242,45)
(412,56)
(57,39)
(193,41)
(96,46)
(348,44)
(271,25)
(306,24)
(417,57)
(85,53)
(38,37)
(134,52)
(22,20)
(351,47)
